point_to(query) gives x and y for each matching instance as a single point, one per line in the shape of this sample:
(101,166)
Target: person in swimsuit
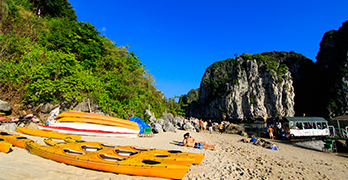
(191,142)
(270,131)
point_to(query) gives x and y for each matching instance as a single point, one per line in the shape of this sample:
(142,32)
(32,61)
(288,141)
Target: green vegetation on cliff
(227,71)
(55,58)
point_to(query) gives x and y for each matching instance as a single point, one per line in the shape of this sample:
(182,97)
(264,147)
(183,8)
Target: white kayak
(91,129)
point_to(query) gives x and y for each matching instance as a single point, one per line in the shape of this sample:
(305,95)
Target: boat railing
(342,132)
(332,130)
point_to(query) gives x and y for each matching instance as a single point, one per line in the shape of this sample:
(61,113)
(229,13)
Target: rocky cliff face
(267,85)
(248,87)
(332,60)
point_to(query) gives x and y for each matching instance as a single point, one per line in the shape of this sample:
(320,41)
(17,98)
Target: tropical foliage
(54,58)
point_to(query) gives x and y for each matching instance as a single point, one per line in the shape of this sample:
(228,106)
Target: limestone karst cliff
(332,61)
(246,87)
(261,86)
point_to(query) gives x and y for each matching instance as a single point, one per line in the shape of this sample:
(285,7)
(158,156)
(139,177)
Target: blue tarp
(142,125)
(274,147)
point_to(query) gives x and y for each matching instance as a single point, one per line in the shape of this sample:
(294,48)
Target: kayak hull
(122,152)
(46,133)
(90,126)
(172,153)
(5,146)
(107,163)
(88,132)
(14,139)
(80,116)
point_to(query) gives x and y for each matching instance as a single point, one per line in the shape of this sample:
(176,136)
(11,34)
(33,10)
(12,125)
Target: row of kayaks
(130,160)
(8,139)
(82,123)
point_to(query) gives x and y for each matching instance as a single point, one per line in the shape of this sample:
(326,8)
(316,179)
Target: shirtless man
(270,131)
(191,142)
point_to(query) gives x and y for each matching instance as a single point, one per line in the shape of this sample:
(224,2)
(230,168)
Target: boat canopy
(305,119)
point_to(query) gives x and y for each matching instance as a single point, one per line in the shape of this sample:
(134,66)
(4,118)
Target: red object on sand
(3,119)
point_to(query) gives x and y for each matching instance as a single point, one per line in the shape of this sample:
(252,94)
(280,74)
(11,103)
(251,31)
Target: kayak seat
(5,134)
(21,138)
(141,149)
(125,153)
(174,151)
(90,148)
(72,152)
(161,155)
(109,146)
(151,162)
(110,158)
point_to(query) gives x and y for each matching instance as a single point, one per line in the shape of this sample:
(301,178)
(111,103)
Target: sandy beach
(232,160)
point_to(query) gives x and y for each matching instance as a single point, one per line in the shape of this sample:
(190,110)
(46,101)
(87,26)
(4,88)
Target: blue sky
(178,39)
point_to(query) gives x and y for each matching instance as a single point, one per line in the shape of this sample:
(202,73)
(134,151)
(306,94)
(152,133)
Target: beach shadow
(343,155)
(178,143)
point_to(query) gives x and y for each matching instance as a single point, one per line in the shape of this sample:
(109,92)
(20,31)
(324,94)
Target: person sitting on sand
(191,142)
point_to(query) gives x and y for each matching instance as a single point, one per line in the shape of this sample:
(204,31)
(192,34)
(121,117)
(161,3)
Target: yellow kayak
(5,146)
(104,162)
(14,139)
(46,133)
(121,152)
(159,152)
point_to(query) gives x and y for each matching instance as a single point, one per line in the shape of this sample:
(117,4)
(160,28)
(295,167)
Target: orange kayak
(5,146)
(121,152)
(14,139)
(46,133)
(156,152)
(104,162)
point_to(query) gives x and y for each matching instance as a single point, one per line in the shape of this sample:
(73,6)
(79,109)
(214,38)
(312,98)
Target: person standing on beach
(183,123)
(210,126)
(270,131)
(205,125)
(200,125)
(221,127)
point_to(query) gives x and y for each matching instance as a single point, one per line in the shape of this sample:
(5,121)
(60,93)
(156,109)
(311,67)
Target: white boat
(91,129)
(302,127)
